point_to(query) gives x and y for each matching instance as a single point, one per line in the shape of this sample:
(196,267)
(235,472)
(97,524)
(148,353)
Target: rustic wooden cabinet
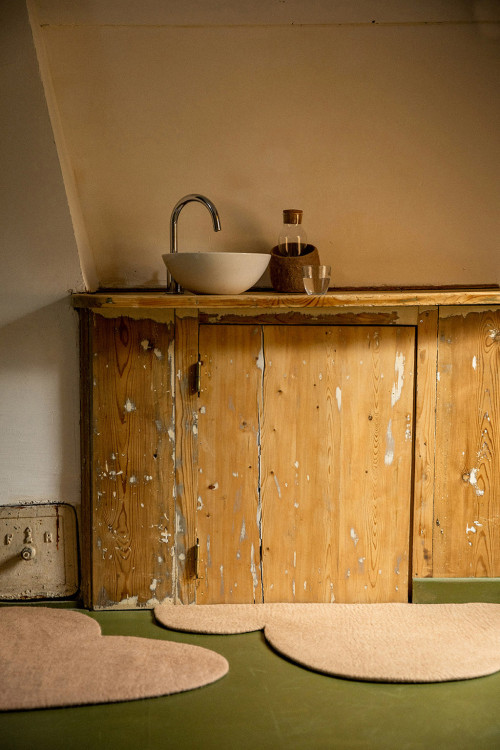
(271,448)
(305,458)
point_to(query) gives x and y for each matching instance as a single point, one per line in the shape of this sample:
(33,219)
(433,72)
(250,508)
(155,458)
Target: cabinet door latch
(198,375)
(197,559)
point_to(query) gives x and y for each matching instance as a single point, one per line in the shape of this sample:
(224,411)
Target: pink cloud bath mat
(374,642)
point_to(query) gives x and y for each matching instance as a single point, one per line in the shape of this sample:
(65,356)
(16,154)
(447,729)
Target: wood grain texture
(186,454)
(132,471)
(228,517)
(467,498)
(350,316)
(425,443)
(336,463)
(85,333)
(365,298)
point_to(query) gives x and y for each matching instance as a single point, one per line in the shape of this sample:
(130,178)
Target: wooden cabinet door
(337,463)
(131,468)
(467,490)
(305,463)
(228,506)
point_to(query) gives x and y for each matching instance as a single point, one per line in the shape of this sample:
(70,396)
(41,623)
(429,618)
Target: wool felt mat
(388,642)
(51,657)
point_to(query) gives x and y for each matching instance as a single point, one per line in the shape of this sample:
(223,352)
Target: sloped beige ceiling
(384,129)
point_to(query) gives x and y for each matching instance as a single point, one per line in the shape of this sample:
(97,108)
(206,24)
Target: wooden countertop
(374,298)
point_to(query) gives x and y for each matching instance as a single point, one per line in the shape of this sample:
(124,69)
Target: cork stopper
(292,216)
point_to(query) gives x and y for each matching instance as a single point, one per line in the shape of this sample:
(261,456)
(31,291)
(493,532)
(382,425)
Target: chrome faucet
(172,285)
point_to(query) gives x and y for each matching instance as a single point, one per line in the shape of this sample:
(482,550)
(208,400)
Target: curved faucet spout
(172,286)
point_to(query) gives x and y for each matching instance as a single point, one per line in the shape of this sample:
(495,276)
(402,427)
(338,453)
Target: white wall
(39,401)
(380,120)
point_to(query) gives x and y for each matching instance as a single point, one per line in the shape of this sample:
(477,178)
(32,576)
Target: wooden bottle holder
(286,271)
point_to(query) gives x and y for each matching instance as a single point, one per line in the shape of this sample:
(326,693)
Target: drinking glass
(316,279)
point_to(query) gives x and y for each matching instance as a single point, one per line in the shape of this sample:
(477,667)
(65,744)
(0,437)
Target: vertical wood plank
(132,504)
(336,463)
(186,456)
(85,333)
(228,508)
(425,442)
(467,502)
(300,454)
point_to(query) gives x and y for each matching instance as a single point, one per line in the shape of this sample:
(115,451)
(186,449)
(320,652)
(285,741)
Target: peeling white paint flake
(470,529)
(338,396)
(473,482)
(133,480)
(439,376)
(203,409)
(277,485)
(158,353)
(129,405)
(179,374)
(320,376)
(296,464)
(153,585)
(389,452)
(164,536)
(253,568)
(235,474)
(354,537)
(295,505)
(243,532)
(476,523)
(408,427)
(199,505)
(474,362)
(260,360)
(145,344)
(399,368)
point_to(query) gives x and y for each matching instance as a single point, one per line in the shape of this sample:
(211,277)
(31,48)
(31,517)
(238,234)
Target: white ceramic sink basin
(216,273)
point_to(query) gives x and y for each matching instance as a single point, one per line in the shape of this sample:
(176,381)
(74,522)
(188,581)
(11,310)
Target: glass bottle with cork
(292,240)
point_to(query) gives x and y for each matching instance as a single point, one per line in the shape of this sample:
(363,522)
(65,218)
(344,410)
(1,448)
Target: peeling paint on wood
(468,433)
(132,462)
(228,524)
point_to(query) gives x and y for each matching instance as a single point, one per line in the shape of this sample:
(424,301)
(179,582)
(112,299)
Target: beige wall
(39,400)
(383,128)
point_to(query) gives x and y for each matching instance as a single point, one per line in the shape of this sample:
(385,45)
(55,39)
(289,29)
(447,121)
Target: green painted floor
(266,702)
